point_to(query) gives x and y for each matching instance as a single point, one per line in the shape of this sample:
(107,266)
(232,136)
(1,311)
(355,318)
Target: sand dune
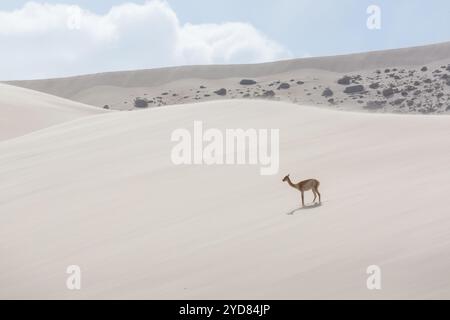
(300,81)
(102,193)
(23,111)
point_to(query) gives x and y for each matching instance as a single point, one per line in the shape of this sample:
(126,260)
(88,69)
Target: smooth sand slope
(23,111)
(392,81)
(102,193)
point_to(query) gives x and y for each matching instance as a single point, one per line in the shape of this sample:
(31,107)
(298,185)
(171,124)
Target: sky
(43,39)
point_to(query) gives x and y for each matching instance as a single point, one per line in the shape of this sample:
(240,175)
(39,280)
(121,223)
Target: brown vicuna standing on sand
(306,185)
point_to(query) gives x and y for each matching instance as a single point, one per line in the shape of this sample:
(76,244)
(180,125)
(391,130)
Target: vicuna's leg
(317,190)
(315,195)
(303,198)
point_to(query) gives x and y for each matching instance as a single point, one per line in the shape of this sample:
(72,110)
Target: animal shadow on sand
(305,208)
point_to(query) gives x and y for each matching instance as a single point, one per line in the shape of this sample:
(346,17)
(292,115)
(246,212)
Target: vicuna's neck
(290,183)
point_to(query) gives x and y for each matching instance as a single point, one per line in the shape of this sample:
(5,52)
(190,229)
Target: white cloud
(49,40)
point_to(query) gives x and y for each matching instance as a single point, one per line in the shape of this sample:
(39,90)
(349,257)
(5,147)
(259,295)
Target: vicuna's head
(286,178)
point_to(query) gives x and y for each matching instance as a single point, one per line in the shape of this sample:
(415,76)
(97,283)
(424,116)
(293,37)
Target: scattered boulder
(327,93)
(374,86)
(284,86)
(345,81)
(424,69)
(140,103)
(247,82)
(106,107)
(375,105)
(222,92)
(269,94)
(389,92)
(300,83)
(354,89)
(398,102)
